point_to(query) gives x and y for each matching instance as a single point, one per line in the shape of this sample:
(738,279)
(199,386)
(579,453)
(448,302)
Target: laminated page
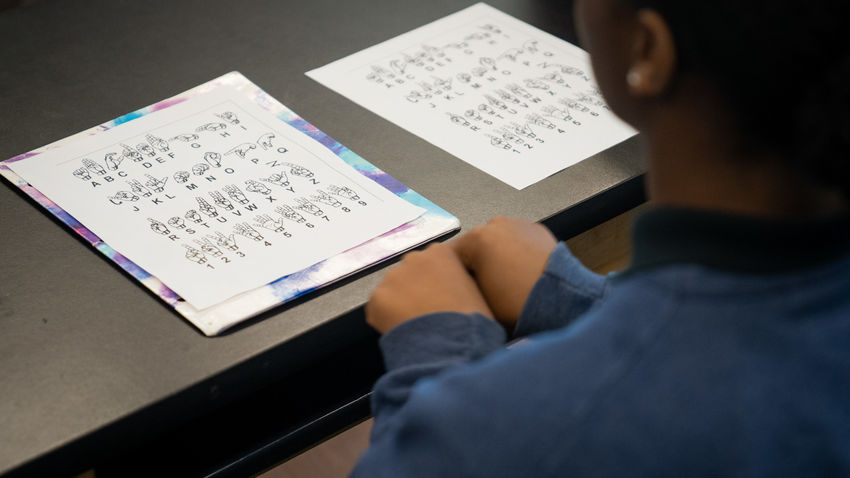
(224,202)
(499,94)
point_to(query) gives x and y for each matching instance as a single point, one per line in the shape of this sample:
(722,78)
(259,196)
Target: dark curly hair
(784,67)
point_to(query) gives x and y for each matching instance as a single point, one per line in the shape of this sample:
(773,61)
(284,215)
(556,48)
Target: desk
(95,371)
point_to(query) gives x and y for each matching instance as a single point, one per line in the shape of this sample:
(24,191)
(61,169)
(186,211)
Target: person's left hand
(433,280)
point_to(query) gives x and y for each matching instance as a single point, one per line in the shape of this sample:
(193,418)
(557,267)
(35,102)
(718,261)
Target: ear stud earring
(633,78)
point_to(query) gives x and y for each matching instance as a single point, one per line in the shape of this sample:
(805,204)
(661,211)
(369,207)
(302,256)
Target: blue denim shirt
(713,355)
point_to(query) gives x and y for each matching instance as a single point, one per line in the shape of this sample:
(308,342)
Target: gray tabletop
(83,347)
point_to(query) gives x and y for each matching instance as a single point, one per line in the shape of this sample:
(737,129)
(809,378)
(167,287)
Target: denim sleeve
(566,290)
(423,347)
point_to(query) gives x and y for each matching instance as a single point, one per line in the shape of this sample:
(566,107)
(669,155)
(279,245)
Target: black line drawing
(489,110)
(476,116)
(93,167)
(230,117)
(530,46)
(538,120)
(159,227)
(267,222)
(112,160)
(491,28)
(177,222)
(244,229)
(131,153)
(241,150)
(145,148)
(221,201)
(210,127)
(159,144)
(193,216)
(213,159)
(522,92)
(464,77)
(208,247)
(236,194)
(257,187)
(279,179)
(479,71)
(500,143)
(199,169)
(511,54)
(536,84)
(158,185)
(124,196)
(500,104)
(525,130)
(298,170)
(308,207)
(181,176)
(556,78)
(398,66)
(186,138)
(326,198)
(195,255)
(82,173)
(227,242)
(288,213)
(206,208)
(558,113)
(458,119)
(265,141)
(137,188)
(344,191)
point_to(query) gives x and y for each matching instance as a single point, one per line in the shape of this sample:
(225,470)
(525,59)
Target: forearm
(565,291)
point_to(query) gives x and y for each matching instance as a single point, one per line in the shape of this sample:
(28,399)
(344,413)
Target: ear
(653,56)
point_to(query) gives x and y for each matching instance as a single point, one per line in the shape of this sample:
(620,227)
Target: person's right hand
(506,256)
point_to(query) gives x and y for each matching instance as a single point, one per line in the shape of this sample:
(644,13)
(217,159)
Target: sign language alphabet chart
(501,95)
(215,196)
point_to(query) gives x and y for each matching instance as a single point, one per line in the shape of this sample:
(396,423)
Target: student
(724,349)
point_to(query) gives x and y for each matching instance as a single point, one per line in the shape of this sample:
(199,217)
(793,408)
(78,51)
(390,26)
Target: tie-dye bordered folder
(288,202)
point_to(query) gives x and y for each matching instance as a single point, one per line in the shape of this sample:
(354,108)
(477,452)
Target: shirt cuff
(441,337)
(566,290)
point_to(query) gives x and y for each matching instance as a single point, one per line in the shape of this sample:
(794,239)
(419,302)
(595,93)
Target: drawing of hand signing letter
(158,185)
(213,158)
(344,191)
(241,150)
(145,148)
(243,229)
(199,169)
(186,138)
(236,194)
(112,160)
(325,198)
(93,167)
(158,143)
(256,187)
(193,216)
(131,153)
(206,207)
(308,207)
(181,176)
(230,117)
(158,227)
(228,242)
(278,178)
(137,188)
(265,141)
(195,255)
(221,201)
(289,213)
(177,222)
(298,170)
(210,127)
(123,196)
(208,247)
(266,222)
(82,173)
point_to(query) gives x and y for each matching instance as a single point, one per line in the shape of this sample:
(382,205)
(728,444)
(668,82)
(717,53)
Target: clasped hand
(490,270)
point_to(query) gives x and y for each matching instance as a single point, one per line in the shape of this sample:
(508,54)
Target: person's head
(779,71)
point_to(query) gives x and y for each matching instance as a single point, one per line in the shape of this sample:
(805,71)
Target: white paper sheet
(215,196)
(503,96)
